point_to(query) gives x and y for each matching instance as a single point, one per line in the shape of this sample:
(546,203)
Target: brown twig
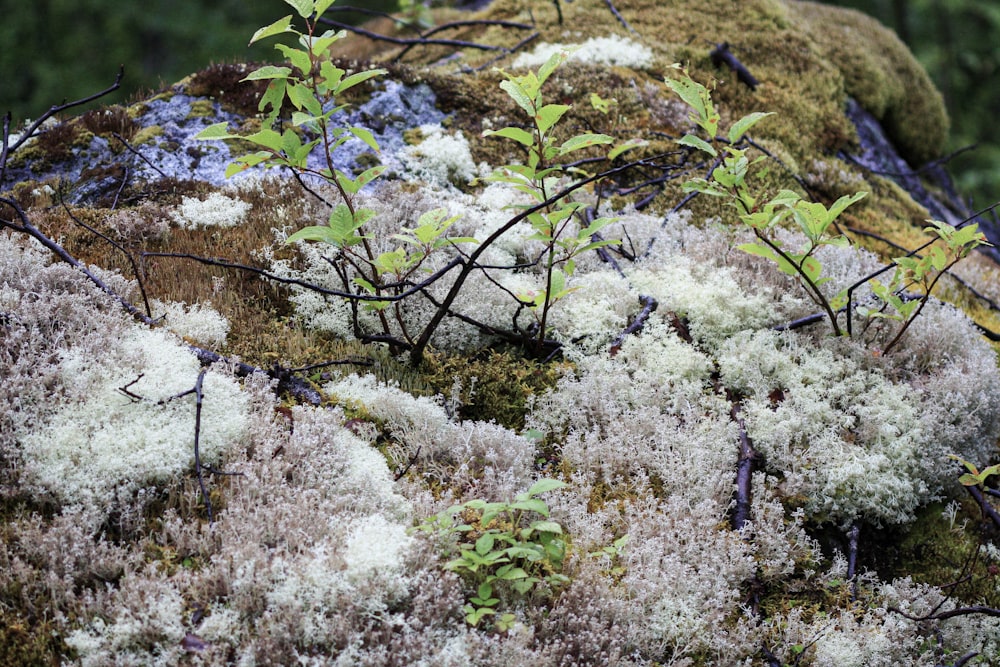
(116,245)
(721,55)
(53,110)
(649,304)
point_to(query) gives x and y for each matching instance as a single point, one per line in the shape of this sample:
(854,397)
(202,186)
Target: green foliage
(504,552)
(923,273)
(974,476)
(542,176)
(311,86)
(764,215)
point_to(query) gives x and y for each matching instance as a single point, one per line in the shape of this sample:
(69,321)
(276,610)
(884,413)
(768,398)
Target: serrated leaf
(543,485)
(268,72)
(583,141)
(625,146)
(216,131)
(365,136)
(547,527)
(298,57)
(517,134)
(303,7)
(700,144)
(322,6)
(549,115)
(276,28)
(519,95)
(357,78)
(554,61)
(704,187)
(743,125)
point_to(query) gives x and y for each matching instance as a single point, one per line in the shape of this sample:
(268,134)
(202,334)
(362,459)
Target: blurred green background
(56,50)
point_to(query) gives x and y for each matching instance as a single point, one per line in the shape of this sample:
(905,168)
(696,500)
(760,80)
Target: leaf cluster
(504,551)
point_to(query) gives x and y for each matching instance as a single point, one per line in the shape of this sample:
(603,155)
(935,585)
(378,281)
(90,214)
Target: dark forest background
(56,50)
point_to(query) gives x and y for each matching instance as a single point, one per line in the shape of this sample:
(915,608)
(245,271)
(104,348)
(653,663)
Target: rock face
(717,471)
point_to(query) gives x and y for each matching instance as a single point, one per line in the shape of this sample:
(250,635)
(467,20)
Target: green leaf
(365,136)
(543,485)
(322,6)
(626,146)
(314,233)
(216,131)
(517,134)
(740,127)
(583,141)
(549,115)
(531,505)
(298,58)
(267,138)
(301,97)
(303,7)
(519,95)
(700,144)
(276,28)
(273,96)
(357,78)
(704,187)
(268,72)
(483,546)
(554,61)
(547,527)
(485,590)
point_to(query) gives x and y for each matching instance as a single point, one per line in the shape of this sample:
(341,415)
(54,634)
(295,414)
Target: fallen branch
(721,55)
(649,304)
(744,471)
(6,150)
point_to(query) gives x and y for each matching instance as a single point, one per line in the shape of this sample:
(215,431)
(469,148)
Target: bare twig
(649,304)
(744,470)
(621,19)
(25,227)
(116,245)
(53,110)
(721,55)
(142,157)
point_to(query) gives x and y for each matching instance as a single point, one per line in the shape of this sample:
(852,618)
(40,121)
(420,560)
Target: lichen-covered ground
(850,544)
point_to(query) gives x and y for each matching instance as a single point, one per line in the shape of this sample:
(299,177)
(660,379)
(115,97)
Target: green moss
(493,385)
(201,109)
(147,134)
(881,73)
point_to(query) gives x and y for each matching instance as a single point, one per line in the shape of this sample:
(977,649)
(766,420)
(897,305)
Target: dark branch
(721,55)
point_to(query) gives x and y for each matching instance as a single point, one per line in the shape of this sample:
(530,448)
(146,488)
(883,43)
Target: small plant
(499,556)
(311,87)
(761,214)
(974,476)
(541,177)
(922,272)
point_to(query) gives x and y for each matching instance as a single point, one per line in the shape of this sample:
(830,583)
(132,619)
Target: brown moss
(224,82)
(109,121)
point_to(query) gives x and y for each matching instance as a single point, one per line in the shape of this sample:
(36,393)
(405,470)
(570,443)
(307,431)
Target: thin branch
(416,354)
(118,246)
(649,304)
(313,287)
(25,227)
(744,470)
(411,41)
(142,157)
(721,55)
(53,110)
(621,19)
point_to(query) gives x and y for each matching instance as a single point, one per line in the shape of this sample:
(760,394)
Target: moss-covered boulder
(676,463)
